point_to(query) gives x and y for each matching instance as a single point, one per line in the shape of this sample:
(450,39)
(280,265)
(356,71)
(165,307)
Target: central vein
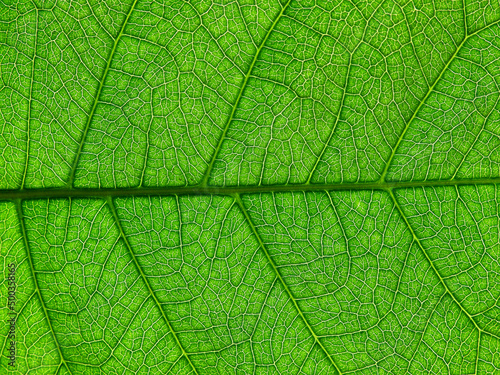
(229,190)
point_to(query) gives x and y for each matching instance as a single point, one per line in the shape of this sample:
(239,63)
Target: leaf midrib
(229,190)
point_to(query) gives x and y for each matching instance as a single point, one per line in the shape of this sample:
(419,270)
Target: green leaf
(236,187)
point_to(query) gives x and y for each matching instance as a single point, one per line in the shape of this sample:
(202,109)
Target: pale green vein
(344,91)
(264,303)
(306,358)
(144,278)
(495,304)
(477,352)
(243,209)
(327,142)
(411,36)
(476,139)
(425,329)
(147,140)
(465,18)
(20,216)
(96,98)
(206,176)
(476,224)
(344,235)
(429,92)
(28,120)
(119,339)
(175,362)
(436,271)
(484,28)
(422,102)
(4,345)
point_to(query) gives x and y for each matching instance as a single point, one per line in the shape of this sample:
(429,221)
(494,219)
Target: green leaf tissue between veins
(251,187)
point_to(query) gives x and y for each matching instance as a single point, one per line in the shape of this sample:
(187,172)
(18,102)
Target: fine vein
(28,120)
(243,209)
(144,278)
(342,100)
(96,99)
(441,280)
(206,176)
(20,217)
(422,102)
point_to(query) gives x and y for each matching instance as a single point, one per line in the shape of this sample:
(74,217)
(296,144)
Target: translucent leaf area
(239,187)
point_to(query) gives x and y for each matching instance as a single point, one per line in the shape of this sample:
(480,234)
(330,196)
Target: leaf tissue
(211,187)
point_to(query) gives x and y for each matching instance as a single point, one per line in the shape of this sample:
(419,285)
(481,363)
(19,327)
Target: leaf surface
(234,187)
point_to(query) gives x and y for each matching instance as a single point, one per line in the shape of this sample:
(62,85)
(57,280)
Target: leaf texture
(251,187)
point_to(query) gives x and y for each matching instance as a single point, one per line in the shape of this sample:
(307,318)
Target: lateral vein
(144,278)
(238,200)
(28,120)
(96,98)
(20,216)
(422,102)
(441,280)
(206,176)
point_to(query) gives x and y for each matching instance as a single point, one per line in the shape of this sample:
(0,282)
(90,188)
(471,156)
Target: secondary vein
(96,98)
(206,176)
(238,200)
(144,278)
(431,263)
(28,120)
(20,217)
(431,89)
(422,102)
